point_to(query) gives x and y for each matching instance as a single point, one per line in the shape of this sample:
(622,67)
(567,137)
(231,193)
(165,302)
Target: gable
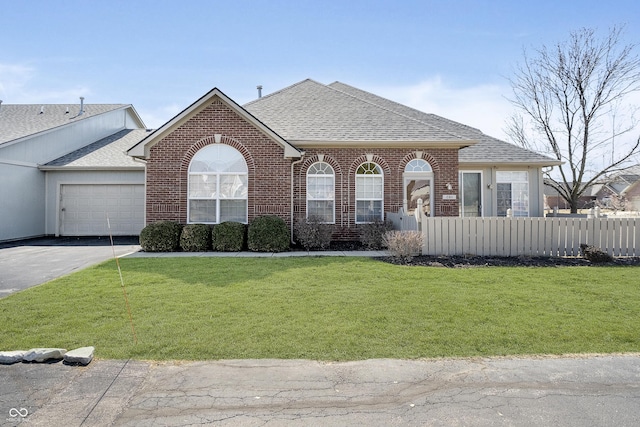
(142,149)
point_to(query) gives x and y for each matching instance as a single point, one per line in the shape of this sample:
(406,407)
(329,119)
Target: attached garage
(101,209)
(88,186)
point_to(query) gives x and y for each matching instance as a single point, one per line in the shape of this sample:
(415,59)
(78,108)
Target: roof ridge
(282,90)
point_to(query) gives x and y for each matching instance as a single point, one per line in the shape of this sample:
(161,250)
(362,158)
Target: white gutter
(292,190)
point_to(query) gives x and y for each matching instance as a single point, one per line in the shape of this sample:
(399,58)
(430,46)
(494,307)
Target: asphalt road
(578,391)
(32,262)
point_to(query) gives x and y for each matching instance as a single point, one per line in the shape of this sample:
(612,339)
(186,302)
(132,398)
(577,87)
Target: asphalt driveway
(32,262)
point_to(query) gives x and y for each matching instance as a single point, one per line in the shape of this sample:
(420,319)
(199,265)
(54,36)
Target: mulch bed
(493,261)
(522,261)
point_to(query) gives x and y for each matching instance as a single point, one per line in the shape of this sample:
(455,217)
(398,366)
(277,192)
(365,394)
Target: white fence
(493,236)
(400,221)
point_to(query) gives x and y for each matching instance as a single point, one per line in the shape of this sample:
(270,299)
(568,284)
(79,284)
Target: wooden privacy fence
(493,236)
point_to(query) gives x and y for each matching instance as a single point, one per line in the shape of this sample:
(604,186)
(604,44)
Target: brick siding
(269,173)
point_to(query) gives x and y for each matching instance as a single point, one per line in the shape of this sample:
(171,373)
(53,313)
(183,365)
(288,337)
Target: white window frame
(216,174)
(329,197)
(371,176)
(417,169)
(503,178)
(461,186)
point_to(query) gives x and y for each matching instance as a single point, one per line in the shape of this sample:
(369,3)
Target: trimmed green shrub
(228,236)
(372,234)
(312,233)
(268,233)
(195,238)
(162,236)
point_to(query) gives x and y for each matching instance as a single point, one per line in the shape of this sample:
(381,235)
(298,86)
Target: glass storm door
(471,194)
(418,189)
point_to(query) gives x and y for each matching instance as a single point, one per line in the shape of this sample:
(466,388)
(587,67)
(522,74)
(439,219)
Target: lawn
(321,308)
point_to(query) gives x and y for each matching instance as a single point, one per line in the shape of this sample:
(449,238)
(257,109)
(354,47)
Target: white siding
(22,207)
(490,206)
(49,146)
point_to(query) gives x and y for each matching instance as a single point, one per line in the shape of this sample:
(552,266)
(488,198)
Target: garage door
(84,209)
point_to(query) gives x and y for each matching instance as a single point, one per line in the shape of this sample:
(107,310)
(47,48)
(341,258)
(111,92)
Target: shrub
(228,237)
(268,233)
(403,245)
(372,234)
(312,233)
(195,238)
(162,236)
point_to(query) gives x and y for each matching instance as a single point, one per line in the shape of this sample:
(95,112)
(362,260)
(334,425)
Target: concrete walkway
(257,254)
(575,391)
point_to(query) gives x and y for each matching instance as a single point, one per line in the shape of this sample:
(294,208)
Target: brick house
(332,151)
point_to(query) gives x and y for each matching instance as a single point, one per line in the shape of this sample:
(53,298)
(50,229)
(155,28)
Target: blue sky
(451,58)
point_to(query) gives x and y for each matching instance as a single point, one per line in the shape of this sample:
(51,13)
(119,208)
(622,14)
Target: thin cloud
(19,85)
(484,107)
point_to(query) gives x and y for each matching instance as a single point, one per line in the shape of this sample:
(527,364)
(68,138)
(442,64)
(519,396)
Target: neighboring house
(622,190)
(63,170)
(553,199)
(619,191)
(334,152)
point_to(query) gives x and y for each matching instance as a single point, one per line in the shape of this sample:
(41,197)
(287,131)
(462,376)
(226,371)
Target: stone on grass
(43,354)
(9,357)
(594,254)
(82,356)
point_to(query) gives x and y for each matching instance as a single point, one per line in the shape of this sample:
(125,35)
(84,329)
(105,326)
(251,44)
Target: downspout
(292,190)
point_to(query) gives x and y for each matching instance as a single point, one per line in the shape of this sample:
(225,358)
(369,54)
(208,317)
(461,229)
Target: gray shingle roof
(21,120)
(311,111)
(107,153)
(487,150)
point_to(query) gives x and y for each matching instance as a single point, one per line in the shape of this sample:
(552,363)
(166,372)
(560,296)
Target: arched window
(369,193)
(217,186)
(321,192)
(418,184)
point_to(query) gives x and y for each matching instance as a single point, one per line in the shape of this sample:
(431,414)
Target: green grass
(326,309)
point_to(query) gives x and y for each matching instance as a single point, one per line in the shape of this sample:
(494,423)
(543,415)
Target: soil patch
(521,261)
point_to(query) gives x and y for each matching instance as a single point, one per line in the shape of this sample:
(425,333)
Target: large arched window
(217,186)
(418,184)
(321,192)
(369,193)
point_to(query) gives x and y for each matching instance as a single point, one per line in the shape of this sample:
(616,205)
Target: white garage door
(84,209)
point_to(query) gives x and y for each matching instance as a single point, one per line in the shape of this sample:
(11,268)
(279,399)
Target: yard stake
(124,290)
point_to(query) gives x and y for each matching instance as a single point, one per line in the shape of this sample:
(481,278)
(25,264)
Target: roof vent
(81,105)
(67,112)
(42,109)
(0,103)
(259,87)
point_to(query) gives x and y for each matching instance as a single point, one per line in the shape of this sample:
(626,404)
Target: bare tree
(568,98)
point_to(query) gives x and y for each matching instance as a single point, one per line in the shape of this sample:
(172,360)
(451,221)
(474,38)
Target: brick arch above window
(188,155)
(435,166)
(386,170)
(326,159)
